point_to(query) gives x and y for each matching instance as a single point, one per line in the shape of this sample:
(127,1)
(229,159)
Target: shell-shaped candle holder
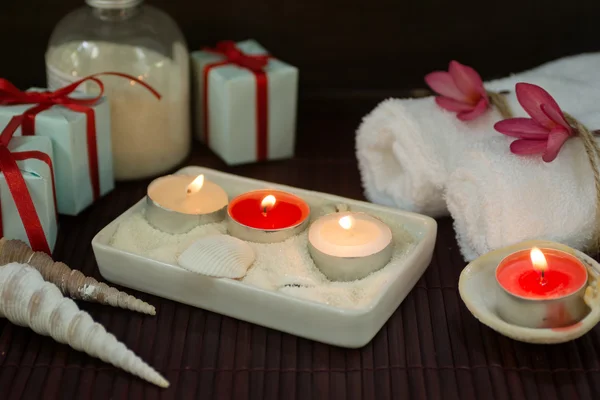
(221,256)
(27,300)
(71,282)
(482,295)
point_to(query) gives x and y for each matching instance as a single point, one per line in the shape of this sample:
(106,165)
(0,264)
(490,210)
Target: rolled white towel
(498,198)
(582,67)
(407,148)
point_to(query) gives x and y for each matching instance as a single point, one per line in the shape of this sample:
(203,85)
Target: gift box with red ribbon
(79,128)
(245,102)
(27,194)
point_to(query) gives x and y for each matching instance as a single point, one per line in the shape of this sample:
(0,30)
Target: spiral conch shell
(27,300)
(71,282)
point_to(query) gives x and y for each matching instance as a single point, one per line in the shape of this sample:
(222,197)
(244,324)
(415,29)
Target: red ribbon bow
(18,187)
(255,64)
(11,95)
(234,55)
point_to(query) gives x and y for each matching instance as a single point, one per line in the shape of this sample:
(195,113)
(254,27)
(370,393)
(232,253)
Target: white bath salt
(135,235)
(277,264)
(149,136)
(285,267)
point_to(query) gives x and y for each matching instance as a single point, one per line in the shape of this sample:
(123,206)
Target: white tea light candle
(349,246)
(178,203)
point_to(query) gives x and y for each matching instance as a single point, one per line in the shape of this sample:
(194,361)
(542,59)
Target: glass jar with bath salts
(149,136)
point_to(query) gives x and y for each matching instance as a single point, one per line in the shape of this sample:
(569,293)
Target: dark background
(349,48)
(351,55)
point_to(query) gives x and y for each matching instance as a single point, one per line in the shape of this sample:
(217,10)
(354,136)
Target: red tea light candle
(542,288)
(178,203)
(267,216)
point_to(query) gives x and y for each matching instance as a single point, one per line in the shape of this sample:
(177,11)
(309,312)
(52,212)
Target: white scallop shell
(221,256)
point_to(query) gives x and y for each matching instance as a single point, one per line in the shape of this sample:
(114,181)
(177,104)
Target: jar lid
(113,3)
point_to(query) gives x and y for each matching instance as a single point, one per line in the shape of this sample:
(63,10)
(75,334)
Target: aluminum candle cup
(178,203)
(348,246)
(541,288)
(267,216)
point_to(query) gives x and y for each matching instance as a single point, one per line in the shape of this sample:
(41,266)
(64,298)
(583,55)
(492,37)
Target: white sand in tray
(286,267)
(136,236)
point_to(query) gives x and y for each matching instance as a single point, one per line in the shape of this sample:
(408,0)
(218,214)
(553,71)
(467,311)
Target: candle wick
(542,278)
(264,211)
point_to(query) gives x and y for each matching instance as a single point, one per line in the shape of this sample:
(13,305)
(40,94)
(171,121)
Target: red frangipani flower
(461,90)
(547,129)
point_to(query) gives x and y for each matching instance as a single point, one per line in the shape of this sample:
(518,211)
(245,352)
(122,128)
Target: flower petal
(557,138)
(453,105)
(466,79)
(479,109)
(531,97)
(523,128)
(557,116)
(526,146)
(442,83)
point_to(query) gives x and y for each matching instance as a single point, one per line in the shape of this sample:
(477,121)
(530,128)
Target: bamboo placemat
(431,348)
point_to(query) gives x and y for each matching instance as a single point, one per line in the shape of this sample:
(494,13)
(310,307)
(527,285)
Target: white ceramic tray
(309,319)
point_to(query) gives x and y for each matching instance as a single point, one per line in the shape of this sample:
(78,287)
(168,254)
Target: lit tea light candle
(267,204)
(349,246)
(542,288)
(267,216)
(178,203)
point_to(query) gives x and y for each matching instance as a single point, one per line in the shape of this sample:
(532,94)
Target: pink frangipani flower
(460,90)
(547,129)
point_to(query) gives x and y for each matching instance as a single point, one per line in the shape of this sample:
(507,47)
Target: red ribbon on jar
(18,187)
(255,64)
(11,95)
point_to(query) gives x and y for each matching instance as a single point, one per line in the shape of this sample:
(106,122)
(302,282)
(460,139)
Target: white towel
(583,67)
(498,198)
(407,148)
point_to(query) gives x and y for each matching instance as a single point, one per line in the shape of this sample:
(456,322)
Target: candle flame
(538,260)
(196,184)
(346,222)
(267,203)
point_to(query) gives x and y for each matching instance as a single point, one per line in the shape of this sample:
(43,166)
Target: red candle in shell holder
(267,216)
(542,288)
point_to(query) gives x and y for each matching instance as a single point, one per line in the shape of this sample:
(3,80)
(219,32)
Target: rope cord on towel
(593,152)
(498,100)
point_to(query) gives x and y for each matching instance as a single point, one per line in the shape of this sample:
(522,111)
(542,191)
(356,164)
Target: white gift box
(38,179)
(67,131)
(232,106)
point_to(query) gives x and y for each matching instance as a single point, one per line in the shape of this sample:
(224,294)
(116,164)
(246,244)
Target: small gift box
(79,128)
(245,102)
(27,193)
